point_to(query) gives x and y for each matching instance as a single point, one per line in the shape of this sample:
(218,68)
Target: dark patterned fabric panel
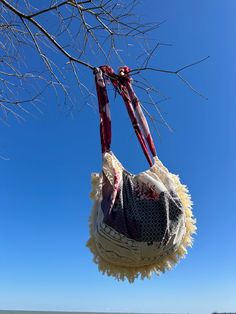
(139,217)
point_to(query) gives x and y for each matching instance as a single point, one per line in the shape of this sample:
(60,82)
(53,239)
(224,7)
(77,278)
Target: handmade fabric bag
(141,223)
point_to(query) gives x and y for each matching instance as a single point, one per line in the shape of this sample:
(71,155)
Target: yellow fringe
(132,273)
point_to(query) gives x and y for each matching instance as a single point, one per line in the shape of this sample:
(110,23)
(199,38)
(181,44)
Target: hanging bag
(141,223)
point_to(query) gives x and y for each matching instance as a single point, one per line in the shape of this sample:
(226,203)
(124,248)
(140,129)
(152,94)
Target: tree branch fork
(71,58)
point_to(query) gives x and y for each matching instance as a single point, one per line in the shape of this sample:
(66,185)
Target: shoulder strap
(104,110)
(124,72)
(135,122)
(122,83)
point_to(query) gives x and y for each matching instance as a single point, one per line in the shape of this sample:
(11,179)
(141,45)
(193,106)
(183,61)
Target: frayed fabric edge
(167,263)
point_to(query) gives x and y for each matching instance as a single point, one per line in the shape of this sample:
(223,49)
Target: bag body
(141,223)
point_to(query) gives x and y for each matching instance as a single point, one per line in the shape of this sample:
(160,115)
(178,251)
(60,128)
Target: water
(58,312)
(52,312)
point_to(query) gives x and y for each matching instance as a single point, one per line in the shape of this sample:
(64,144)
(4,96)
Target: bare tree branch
(23,17)
(78,32)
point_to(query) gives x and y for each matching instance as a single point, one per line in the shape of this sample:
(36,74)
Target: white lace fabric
(123,256)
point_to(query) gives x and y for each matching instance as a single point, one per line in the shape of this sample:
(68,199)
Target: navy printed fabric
(138,213)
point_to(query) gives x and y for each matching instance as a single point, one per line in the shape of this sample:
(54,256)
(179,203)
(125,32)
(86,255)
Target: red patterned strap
(127,100)
(123,84)
(124,72)
(104,110)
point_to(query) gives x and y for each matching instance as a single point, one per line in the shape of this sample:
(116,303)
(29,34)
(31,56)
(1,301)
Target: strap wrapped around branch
(127,100)
(104,110)
(124,72)
(122,83)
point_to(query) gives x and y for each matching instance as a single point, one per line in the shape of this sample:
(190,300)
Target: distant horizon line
(101,312)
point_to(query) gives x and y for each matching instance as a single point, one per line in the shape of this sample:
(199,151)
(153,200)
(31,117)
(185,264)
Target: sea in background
(63,312)
(40,312)
(70,312)
(58,312)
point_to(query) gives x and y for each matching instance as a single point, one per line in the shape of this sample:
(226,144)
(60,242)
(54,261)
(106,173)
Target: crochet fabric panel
(148,225)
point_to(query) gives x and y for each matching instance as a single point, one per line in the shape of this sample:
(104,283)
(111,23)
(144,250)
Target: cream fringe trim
(131,273)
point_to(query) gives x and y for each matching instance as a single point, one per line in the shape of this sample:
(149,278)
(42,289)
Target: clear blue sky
(45,184)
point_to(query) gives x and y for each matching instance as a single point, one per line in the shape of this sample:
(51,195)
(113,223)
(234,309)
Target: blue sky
(45,184)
